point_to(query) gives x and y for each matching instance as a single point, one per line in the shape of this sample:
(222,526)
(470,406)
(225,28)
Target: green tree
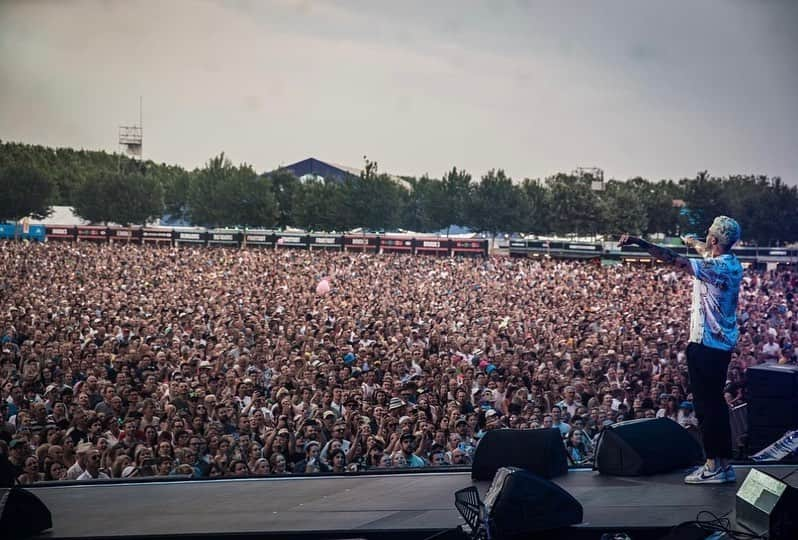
(574,206)
(658,199)
(705,199)
(371,200)
(764,207)
(319,205)
(24,191)
(286,189)
(457,188)
(176,183)
(120,198)
(223,195)
(496,204)
(623,208)
(535,207)
(423,204)
(254,204)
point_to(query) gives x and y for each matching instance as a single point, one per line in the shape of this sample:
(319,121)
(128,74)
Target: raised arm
(666,255)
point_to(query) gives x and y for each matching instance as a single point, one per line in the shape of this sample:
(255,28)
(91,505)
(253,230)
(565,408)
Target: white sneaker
(703,475)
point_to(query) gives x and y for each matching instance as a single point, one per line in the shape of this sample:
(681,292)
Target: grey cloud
(640,88)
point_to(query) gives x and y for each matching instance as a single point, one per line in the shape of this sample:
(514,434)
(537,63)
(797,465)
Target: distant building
(312,168)
(315,169)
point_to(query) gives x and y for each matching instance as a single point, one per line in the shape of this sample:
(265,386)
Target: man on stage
(713,336)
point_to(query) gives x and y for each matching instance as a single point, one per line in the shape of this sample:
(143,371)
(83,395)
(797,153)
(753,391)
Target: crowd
(123,361)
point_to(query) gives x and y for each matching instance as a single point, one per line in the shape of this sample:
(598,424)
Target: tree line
(105,187)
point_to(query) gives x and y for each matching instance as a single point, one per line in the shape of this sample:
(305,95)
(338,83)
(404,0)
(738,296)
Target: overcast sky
(659,89)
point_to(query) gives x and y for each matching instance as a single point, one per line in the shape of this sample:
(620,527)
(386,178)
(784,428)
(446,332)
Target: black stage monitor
(644,447)
(538,450)
(22,514)
(767,505)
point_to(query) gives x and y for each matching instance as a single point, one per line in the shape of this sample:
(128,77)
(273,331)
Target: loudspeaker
(22,514)
(778,412)
(538,450)
(520,502)
(766,505)
(643,447)
(771,381)
(772,391)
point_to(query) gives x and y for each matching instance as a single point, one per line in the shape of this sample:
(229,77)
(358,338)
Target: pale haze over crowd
(656,89)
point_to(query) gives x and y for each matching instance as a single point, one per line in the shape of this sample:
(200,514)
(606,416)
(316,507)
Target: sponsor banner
(361,243)
(124,234)
(190,237)
(286,240)
(396,244)
(92,233)
(584,247)
(327,241)
(470,246)
(432,245)
(259,238)
(156,235)
(224,236)
(59,232)
(22,231)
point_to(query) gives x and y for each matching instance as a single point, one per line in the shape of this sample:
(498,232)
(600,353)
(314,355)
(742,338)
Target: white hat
(129,471)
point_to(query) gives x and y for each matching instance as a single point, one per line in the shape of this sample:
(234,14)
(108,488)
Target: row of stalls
(373,243)
(633,254)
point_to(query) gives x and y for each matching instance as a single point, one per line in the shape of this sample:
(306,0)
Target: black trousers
(707,369)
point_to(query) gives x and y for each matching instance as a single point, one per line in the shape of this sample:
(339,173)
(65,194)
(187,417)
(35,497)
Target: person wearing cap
(327,424)
(396,406)
(686,416)
(16,456)
(713,336)
(408,448)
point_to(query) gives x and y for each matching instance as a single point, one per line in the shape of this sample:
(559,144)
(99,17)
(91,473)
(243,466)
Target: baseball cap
(309,444)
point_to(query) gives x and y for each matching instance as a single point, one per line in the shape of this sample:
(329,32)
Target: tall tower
(131,137)
(595,174)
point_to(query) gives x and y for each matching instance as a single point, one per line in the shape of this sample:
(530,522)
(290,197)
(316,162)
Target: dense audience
(123,361)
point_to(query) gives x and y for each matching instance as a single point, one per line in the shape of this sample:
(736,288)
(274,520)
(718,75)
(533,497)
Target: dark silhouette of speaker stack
(772,392)
(644,447)
(522,500)
(22,514)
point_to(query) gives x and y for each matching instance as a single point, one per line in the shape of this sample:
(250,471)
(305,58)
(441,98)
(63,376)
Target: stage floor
(356,504)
